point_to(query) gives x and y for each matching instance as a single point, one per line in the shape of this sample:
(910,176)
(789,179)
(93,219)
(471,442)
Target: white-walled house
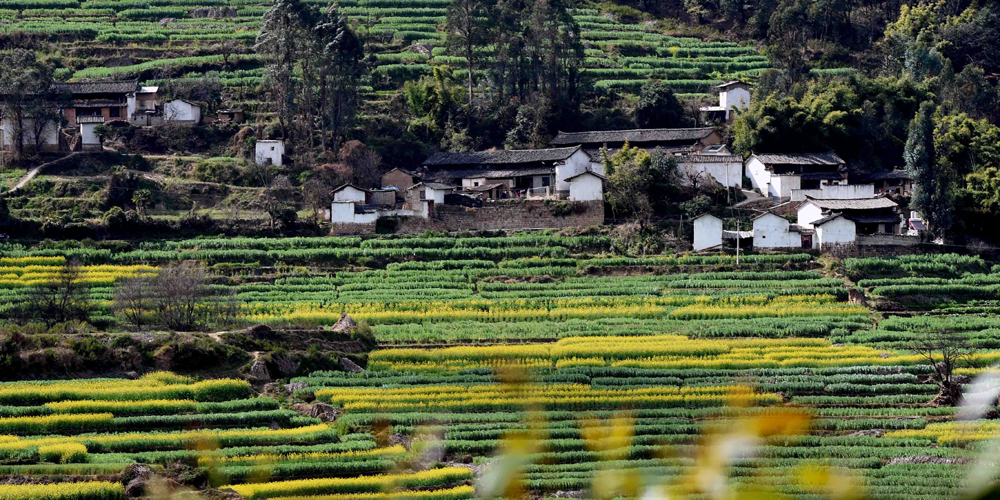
(586,186)
(778,175)
(870,215)
(707,232)
(774,231)
(833,230)
(576,164)
(269,152)
(429,191)
(724,167)
(181,111)
(835,192)
(522,172)
(350,193)
(49,139)
(88,132)
(733,95)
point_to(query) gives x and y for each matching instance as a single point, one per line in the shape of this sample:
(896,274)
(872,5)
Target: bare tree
(317,195)
(945,350)
(60,300)
(177,296)
(278,202)
(363,162)
(134,300)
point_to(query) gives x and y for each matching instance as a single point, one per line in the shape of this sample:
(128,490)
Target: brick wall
(507,214)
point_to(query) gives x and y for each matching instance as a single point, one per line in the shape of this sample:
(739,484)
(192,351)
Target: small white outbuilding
(833,230)
(586,186)
(269,152)
(182,112)
(350,192)
(707,232)
(774,231)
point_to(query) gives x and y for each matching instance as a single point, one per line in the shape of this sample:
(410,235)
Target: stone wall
(499,215)
(509,214)
(352,229)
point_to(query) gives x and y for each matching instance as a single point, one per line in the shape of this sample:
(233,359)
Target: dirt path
(752,196)
(24,180)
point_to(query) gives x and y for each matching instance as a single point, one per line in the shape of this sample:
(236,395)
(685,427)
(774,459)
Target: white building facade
(269,152)
(774,231)
(707,232)
(833,231)
(586,186)
(180,111)
(577,163)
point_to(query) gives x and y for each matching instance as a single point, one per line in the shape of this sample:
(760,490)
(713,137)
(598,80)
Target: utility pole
(737,243)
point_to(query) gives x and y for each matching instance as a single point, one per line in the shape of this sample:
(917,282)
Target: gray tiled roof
(98,87)
(632,136)
(800,159)
(858,204)
(875,219)
(892,174)
(828,218)
(702,158)
(500,157)
(818,176)
(489,173)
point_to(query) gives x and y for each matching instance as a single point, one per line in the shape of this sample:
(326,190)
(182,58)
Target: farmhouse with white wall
(771,231)
(733,95)
(778,175)
(269,152)
(707,232)
(713,162)
(531,173)
(182,112)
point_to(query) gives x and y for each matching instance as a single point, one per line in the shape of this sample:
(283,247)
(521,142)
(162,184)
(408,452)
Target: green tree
(658,107)
(141,199)
(629,176)
(279,45)
(27,91)
(340,70)
(468,26)
(932,192)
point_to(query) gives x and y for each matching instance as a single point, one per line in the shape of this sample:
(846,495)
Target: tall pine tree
(932,189)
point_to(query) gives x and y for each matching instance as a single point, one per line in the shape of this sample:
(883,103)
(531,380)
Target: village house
(777,175)
(234,115)
(733,95)
(353,204)
(182,112)
(772,231)
(512,173)
(835,192)
(108,99)
(269,152)
(674,140)
(47,137)
(586,186)
(707,232)
(715,162)
(896,182)
(399,178)
(89,140)
(144,108)
(870,215)
(433,192)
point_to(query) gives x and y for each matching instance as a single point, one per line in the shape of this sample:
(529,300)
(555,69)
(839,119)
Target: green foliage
(658,107)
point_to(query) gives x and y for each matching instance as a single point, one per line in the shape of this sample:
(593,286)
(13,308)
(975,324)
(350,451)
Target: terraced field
(158,40)
(585,370)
